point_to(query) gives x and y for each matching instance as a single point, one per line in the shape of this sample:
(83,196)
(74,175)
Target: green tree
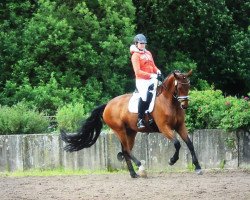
(214,34)
(13,16)
(84,44)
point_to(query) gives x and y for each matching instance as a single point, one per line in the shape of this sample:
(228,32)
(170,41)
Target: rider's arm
(136,66)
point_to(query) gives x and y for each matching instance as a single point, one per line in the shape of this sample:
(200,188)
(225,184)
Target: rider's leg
(142,86)
(141,112)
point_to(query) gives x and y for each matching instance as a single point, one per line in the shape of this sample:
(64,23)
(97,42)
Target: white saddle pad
(133,103)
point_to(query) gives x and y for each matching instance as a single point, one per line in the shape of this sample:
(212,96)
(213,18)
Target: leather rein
(175,95)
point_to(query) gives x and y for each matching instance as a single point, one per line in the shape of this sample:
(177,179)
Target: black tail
(88,134)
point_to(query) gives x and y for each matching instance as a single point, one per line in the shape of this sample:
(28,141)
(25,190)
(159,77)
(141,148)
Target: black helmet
(140,38)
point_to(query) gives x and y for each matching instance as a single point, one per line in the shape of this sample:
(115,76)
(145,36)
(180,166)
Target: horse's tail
(88,134)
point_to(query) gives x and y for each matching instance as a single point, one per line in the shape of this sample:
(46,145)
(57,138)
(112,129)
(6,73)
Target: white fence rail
(214,148)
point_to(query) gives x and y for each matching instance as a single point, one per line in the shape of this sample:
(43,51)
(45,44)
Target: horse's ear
(189,73)
(175,75)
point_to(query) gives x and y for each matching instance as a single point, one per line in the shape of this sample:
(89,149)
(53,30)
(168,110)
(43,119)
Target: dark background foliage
(54,52)
(213,34)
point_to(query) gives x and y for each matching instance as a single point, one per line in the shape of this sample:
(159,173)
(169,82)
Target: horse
(168,115)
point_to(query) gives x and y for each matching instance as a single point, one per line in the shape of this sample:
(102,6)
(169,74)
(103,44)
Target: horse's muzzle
(184,106)
(183,101)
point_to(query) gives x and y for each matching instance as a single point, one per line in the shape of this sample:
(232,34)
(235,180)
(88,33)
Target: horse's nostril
(184,107)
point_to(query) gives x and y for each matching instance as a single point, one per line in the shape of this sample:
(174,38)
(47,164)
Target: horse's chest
(175,117)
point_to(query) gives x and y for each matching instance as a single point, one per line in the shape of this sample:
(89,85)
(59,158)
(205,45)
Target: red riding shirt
(143,64)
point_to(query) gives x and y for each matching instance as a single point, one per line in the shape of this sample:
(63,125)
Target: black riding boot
(141,112)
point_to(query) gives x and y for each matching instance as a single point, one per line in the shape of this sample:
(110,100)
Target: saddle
(134,100)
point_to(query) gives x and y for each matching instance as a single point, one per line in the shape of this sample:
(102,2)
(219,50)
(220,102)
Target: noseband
(180,98)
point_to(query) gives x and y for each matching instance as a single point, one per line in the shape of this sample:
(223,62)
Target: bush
(19,119)
(210,109)
(46,97)
(204,109)
(70,116)
(236,114)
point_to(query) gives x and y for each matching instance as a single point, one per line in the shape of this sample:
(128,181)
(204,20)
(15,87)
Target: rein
(175,95)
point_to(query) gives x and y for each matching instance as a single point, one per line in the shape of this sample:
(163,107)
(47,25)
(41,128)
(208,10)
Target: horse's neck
(170,85)
(167,96)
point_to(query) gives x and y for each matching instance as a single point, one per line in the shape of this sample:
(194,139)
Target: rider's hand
(159,77)
(153,76)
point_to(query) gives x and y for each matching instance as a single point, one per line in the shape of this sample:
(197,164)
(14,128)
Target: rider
(145,73)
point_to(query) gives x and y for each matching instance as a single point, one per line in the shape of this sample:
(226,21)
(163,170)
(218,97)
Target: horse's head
(182,85)
(177,84)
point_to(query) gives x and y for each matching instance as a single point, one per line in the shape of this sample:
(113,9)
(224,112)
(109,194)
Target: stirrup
(150,119)
(140,123)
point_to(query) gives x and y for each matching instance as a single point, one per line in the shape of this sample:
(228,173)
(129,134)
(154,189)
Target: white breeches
(142,86)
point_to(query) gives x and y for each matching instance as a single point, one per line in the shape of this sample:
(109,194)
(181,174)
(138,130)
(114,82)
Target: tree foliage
(84,44)
(55,52)
(213,34)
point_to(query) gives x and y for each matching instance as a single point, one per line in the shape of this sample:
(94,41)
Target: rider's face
(141,46)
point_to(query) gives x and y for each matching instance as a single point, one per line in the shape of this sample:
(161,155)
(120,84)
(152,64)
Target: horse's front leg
(177,146)
(168,133)
(194,158)
(184,135)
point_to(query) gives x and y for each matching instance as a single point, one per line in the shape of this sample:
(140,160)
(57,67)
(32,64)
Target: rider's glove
(159,77)
(153,76)
(158,72)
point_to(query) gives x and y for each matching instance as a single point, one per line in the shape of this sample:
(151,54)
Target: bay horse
(168,115)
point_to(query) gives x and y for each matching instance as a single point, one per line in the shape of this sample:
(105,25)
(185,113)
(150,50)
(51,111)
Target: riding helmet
(140,38)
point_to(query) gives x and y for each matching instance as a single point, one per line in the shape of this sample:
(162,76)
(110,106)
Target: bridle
(180,98)
(175,95)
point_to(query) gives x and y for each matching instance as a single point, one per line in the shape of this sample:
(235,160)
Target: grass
(55,172)
(190,167)
(70,172)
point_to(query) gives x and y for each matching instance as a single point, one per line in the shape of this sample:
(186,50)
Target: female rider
(145,73)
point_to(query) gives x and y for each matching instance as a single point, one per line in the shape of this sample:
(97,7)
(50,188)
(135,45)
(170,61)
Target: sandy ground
(211,185)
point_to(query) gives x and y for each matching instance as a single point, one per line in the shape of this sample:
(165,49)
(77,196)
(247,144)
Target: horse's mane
(172,73)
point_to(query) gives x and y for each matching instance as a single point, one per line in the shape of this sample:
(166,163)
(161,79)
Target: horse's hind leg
(129,164)
(131,141)
(127,141)
(135,160)
(120,157)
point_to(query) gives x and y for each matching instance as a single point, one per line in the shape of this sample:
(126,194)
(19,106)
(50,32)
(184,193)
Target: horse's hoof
(135,175)
(199,171)
(120,156)
(142,172)
(171,163)
(143,162)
